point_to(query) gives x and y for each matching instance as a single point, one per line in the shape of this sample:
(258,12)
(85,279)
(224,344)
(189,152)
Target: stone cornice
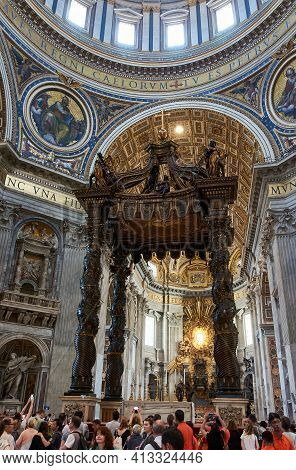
(263,174)
(115,63)
(154,286)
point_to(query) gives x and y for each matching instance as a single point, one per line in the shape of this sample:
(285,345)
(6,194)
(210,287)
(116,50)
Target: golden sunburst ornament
(200,338)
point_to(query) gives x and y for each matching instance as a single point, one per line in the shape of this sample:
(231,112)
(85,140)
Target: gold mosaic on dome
(58,117)
(127,152)
(284,93)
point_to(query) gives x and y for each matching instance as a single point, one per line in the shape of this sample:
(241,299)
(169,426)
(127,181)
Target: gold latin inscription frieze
(282,189)
(42,192)
(151,86)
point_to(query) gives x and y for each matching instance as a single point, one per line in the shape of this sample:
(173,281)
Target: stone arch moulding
(7,101)
(39,343)
(263,137)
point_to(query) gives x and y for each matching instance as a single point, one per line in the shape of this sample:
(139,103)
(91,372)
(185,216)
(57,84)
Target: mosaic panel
(58,118)
(248,91)
(25,68)
(284,93)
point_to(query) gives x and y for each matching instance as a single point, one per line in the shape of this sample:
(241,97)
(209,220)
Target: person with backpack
(158,428)
(135,439)
(75,440)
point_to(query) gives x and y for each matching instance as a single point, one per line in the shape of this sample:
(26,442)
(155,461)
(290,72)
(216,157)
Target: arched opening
(28,288)
(21,373)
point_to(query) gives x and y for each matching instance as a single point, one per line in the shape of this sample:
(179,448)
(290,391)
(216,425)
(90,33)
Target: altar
(164,408)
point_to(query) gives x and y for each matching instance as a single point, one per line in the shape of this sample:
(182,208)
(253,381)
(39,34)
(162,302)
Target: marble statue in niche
(14,373)
(58,118)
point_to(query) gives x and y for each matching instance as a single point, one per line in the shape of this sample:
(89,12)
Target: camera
(211,417)
(136,409)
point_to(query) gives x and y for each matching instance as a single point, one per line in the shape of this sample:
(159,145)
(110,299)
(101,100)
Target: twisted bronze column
(226,334)
(87,314)
(120,269)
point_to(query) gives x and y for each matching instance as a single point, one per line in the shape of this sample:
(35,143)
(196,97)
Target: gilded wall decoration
(58,118)
(182,272)
(283,94)
(196,350)
(40,232)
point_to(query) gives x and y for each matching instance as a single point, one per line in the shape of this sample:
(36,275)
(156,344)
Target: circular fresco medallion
(58,117)
(283,94)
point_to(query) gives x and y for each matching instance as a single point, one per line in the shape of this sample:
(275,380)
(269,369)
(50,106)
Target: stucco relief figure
(31,270)
(287,103)
(14,373)
(58,118)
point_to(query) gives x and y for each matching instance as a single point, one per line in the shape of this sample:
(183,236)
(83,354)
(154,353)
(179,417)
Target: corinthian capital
(285,222)
(8,213)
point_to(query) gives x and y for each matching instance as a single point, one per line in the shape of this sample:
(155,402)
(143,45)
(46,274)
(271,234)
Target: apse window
(77,13)
(126,33)
(225,17)
(149,331)
(248,329)
(175,35)
(152,268)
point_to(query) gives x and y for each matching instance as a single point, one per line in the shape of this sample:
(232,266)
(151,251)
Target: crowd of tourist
(40,432)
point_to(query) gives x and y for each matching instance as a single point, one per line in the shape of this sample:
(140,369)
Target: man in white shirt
(83,428)
(73,438)
(158,428)
(8,428)
(114,424)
